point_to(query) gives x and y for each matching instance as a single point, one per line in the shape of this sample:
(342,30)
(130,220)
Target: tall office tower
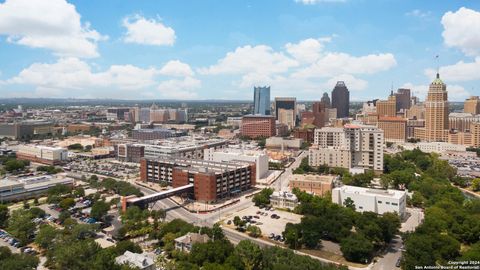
(387,107)
(261,100)
(320,114)
(436,114)
(326,100)
(286,103)
(403,99)
(341,99)
(472,105)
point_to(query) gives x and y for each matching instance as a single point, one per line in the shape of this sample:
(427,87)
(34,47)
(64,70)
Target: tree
(476,184)
(263,197)
(99,210)
(250,254)
(254,231)
(37,212)
(15,165)
(21,226)
(4,215)
(12,261)
(75,146)
(417,199)
(45,236)
(75,255)
(79,192)
(356,248)
(66,203)
(349,203)
(292,235)
(63,216)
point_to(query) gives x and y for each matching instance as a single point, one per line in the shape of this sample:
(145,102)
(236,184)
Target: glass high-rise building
(341,99)
(261,100)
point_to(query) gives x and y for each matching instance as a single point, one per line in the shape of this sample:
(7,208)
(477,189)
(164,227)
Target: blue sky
(221,49)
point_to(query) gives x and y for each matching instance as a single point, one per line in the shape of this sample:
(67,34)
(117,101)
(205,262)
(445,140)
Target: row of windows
(395,204)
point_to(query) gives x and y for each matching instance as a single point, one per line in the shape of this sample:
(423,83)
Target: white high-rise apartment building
(353,146)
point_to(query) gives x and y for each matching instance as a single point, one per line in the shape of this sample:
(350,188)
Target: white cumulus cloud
(252,59)
(307,50)
(72,75)
(458,72)
(141,30)
(176,68)
(333,64)
(461,30)
(52,24)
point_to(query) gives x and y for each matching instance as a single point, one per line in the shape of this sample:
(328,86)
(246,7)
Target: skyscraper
(286,103)
(341,99)
(326,100)
(436,114)
(403,99)
(261,100)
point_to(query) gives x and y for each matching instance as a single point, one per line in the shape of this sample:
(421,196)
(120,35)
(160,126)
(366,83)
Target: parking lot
(263,219)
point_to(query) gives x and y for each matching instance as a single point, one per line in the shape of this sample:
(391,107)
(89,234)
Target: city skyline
(153,50)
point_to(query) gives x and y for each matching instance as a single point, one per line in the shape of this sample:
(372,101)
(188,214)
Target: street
(281,184)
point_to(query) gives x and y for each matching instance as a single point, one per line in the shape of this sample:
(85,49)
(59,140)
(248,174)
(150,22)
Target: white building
(184,243)
(230,154)
(353,146)
(283,199)
(182,147)
(435,147)
(15,189)
(373,200)
(280,142)
(42,154)
(234,121)
(140,261)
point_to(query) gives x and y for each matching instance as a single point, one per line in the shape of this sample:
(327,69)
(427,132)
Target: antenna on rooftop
(437,64)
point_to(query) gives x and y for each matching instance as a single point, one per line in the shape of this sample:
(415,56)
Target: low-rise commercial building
(283,199)
(280,142)
(372,200)
(25,129)
(42,154)
(435,147)
(129,152)
(16,189)
(212,180)
(312,183)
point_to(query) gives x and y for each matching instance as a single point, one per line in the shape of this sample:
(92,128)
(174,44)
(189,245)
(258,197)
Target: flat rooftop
(397,194)
(200,165)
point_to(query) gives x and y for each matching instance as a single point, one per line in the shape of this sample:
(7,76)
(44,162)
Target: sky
(206,49)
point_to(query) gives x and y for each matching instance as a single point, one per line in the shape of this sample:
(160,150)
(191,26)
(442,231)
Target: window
(387,202)
(394,203)
(360,207)
(379,201)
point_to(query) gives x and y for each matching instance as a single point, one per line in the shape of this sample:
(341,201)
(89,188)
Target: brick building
(255,126)
(211,180)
